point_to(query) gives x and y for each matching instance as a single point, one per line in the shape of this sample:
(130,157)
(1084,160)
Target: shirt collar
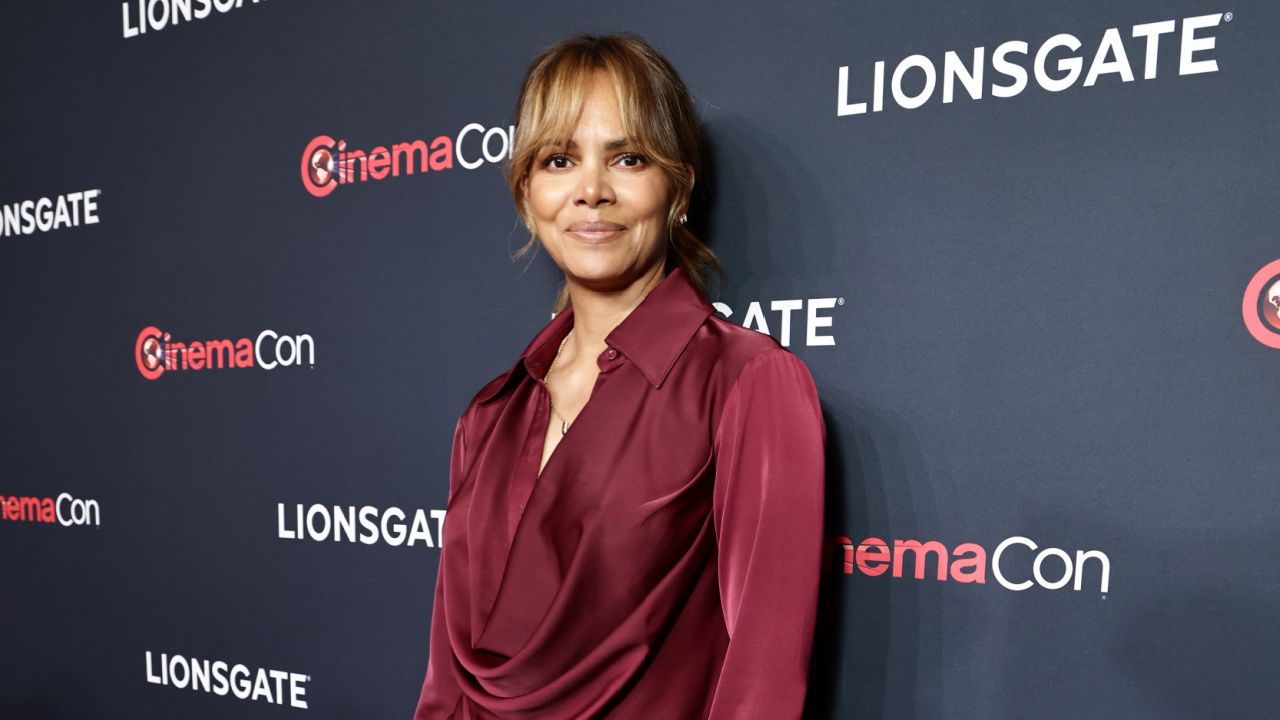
(651,336)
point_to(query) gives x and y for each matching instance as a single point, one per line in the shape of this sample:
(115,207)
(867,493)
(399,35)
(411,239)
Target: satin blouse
(665,562)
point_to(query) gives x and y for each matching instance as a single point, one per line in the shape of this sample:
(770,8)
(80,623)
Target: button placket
(608,359)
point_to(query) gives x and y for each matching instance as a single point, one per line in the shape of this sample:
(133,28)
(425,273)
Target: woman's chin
(604,270)
(604,277)
(595,277)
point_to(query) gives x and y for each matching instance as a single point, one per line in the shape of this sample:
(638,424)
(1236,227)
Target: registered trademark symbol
(1227,16)
(839,301)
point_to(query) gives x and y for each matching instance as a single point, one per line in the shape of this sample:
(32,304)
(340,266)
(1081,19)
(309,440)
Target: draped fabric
(665,562)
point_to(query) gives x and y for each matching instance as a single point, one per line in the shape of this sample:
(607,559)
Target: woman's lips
(595,236)
(595,231)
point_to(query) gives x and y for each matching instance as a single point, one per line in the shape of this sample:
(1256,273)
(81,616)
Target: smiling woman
(598,205)
(635,506)
(612,117)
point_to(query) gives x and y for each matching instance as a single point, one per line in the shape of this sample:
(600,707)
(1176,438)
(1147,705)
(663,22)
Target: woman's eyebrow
(611,145)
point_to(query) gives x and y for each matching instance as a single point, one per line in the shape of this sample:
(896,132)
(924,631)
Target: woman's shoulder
(748,359)
(491,389)
(736,345)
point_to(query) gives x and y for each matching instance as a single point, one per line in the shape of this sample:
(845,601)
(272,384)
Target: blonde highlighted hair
(657,114)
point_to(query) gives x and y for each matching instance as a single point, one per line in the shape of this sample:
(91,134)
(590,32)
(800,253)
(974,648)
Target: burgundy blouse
(665,563)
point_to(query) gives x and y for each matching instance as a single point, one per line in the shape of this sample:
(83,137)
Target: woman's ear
(688,195)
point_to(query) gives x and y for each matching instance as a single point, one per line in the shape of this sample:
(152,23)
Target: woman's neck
(596,313)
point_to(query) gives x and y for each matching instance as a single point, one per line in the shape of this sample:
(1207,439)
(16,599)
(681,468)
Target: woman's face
(599,178)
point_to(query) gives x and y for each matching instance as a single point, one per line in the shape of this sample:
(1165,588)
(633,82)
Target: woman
(635,507)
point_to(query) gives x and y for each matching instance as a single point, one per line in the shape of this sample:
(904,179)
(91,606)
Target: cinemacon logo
(156,352)
(1018,563)
(328,163)
(64,510)
(219,677)
(1261,306)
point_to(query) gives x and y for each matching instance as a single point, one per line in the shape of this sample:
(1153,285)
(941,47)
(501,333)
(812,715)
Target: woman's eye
(630,160)
(548,162)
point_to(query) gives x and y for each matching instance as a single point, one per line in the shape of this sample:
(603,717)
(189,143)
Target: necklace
(564,424)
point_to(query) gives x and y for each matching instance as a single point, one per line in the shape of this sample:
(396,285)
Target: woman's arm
(768,512)
(440,696)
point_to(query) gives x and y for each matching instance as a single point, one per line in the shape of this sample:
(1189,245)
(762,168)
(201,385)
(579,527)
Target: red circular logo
(148,353)
(1261,307)
(319,166)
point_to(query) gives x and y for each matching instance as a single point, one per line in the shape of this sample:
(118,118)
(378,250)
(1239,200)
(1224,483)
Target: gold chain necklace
(564,424)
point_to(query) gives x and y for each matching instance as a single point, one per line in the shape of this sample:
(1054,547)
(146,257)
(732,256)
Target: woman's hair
(657,114)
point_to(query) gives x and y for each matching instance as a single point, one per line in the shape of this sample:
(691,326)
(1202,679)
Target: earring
(683,218)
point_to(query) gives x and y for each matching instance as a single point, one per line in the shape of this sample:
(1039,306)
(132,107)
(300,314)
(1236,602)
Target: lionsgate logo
(1017,563)
(140,16)
(155,352)
(328,163)
(1008,60)
(27,217)
(367,525)
(277,687)
(807,316)
(65,510)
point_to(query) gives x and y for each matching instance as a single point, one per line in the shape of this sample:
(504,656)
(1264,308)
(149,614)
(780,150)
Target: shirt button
(611,354)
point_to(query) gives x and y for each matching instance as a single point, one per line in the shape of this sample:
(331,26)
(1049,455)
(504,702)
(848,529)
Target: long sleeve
(440,694)
(768,511)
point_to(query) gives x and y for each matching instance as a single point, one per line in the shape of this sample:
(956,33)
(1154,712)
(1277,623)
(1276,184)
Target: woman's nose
(593,187)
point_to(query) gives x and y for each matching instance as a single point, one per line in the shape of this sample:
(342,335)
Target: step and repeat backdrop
(257,258)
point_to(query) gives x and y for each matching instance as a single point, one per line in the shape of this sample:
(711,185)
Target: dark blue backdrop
(1034,301)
